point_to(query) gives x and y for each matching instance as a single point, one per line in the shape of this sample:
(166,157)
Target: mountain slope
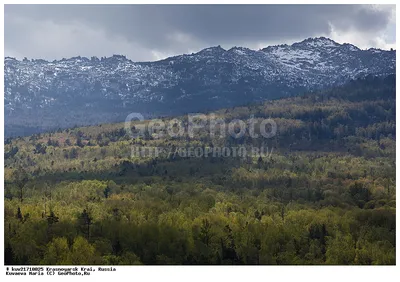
(89,91)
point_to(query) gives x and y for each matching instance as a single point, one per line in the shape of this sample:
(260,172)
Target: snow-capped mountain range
(81,90)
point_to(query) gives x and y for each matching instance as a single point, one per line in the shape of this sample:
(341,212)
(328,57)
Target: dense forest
(324,195)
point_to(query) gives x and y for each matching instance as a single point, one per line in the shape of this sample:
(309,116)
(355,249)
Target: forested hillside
(325,193)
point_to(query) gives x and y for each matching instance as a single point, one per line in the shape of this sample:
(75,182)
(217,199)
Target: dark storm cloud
(145,32)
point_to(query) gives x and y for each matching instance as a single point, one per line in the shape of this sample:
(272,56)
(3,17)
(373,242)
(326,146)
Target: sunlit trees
(57,252)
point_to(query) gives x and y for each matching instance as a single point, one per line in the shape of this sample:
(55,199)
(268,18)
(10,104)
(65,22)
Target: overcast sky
(151,32)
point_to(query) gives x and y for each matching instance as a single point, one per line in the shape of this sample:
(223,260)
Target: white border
(209,273)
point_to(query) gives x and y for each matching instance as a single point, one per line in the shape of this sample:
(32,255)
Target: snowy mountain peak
(317,42)
(97,90)
(214,49)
